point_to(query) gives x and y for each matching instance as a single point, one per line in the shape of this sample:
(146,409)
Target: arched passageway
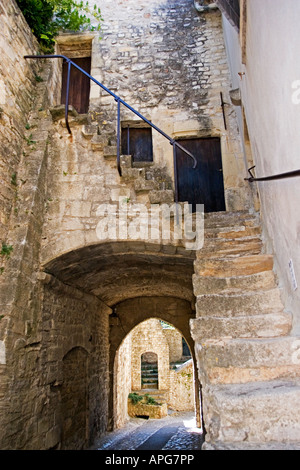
(97,295)
(150,368)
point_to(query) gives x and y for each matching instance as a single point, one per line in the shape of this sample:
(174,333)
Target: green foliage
(135,397)
(6,250)
(47,18)
(150,400)
(14,179)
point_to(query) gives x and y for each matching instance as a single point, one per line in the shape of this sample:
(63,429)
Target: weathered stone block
(242,266)
(226,360)
(161,196)
(239,304)
(98,142)
(238,284)
(257,326)
(254,413)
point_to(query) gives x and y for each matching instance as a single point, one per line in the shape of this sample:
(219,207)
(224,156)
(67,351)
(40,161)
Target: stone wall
(17,91)
(169,62)
(122,383)
(174,339)
(75,324)
(182,394)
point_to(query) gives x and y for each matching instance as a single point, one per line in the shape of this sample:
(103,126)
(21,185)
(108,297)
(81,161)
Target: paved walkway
(177,431)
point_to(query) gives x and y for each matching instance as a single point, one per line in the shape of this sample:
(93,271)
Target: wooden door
(79,91)
(204,184)
(139,145)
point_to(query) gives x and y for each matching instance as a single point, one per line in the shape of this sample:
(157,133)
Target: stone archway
(129,314)
(153,342)
(126,282)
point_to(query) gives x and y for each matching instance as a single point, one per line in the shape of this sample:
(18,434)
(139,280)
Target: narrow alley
(177,431)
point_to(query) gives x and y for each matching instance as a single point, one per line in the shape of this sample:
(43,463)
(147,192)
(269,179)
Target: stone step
(147,365)
(219,248)
(110,151)
(240,266)
(163,196)
(250,360)
(150,375)
(236,305)
(232,232)
(142,164)
(149,386)
(132,173)
(150,381)
(230,219)
(141,184)
(89,131)
(98,142)
(254,413)
(255,326)
(125,161)
(237,284)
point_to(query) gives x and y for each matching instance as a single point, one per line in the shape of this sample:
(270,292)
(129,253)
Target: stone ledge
(152,411)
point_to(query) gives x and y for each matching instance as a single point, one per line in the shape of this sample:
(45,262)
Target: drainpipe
(204,8)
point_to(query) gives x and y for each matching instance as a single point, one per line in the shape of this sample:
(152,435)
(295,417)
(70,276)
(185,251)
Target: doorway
(149,370)
(204,184)
(79,90)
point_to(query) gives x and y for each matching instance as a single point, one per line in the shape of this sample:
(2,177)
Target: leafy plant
(6,250)
(150,400)
(135,397)
(29,140)
(47,18)
(14,179)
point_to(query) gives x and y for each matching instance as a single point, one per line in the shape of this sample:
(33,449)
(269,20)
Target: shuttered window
(231,9)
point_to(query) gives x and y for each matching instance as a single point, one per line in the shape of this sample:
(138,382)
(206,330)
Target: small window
(137,142)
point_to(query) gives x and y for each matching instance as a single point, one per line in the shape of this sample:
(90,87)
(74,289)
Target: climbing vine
(47,18)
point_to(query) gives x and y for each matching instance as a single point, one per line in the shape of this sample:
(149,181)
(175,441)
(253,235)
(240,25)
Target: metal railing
(119,102)
(290,174)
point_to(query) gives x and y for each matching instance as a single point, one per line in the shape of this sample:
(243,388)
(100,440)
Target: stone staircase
(149,374)
(145,177)
(244,347)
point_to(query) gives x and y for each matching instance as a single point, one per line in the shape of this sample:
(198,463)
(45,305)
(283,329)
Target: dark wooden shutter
(79,85)
(140,144)
(231,9)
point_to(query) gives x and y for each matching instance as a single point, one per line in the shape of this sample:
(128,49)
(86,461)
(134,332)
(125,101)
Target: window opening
(137,142)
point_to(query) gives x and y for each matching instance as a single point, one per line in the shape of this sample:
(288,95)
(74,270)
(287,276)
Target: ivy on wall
(47,18)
